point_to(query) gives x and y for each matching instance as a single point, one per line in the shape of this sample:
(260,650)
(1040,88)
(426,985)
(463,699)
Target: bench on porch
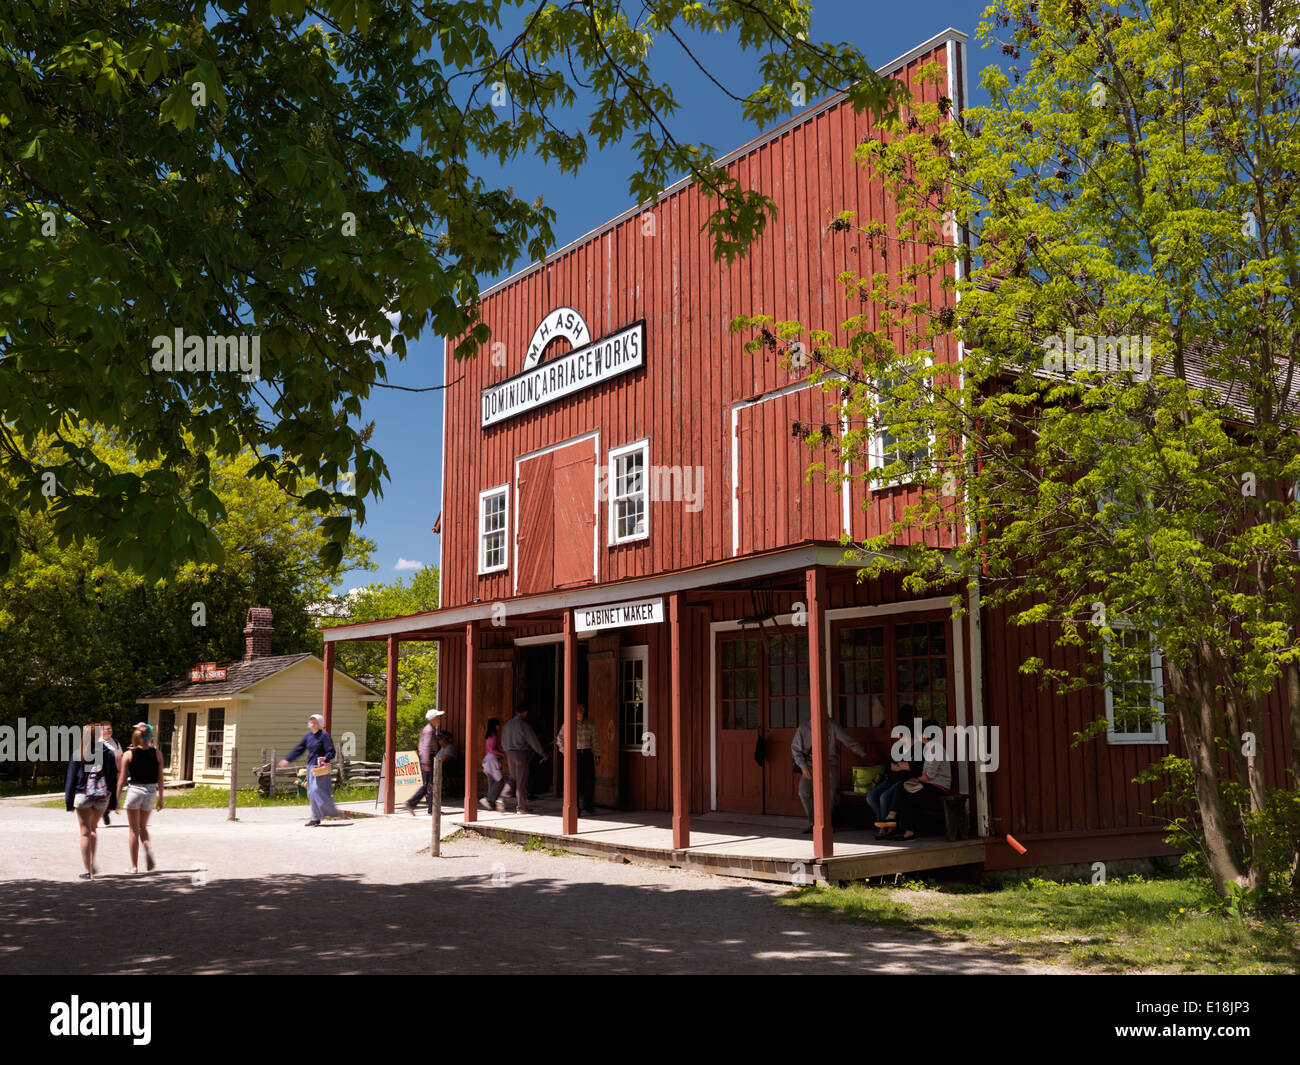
(855,813)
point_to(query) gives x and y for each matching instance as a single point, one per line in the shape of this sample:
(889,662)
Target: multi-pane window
(893,670)
(628,495)
(216,736)
(739,667)
(889,447)
(862,677)
(1134,687)
(492,529)
(632,697)
(787,680)
(921,668)
(166,733)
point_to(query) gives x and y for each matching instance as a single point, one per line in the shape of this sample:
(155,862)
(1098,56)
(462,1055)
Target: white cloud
(395,318)
(406,563)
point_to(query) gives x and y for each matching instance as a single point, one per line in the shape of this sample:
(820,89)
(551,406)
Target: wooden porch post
(327,696)
(815,587)
(681,760)
(570,725)
(390,728)
(471,720)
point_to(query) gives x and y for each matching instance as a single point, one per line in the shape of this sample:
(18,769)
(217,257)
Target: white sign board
(551,380)
(618,615)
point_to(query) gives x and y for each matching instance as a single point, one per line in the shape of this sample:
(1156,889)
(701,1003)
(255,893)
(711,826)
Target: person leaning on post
(320,751)
(427,750)
(801,751)
(588,748)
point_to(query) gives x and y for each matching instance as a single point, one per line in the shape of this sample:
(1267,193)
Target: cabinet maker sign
(583,367)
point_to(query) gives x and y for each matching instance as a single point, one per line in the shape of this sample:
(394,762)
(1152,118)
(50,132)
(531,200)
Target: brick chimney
(257,633)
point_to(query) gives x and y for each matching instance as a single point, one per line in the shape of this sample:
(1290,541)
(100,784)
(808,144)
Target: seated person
(921,793)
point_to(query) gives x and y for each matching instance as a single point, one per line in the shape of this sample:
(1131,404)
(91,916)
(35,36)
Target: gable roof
(240,675)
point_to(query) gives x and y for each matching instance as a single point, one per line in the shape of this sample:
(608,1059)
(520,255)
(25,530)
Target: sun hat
(432,714)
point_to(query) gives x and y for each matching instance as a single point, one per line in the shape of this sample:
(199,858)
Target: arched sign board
(582,368)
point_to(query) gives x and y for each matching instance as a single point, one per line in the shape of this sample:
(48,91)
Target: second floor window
(492,530)
(628,495)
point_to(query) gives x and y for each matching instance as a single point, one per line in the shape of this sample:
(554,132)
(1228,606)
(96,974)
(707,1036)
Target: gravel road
(266,893)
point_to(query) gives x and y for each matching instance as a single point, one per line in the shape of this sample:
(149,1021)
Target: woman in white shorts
(91,779)
(142,780)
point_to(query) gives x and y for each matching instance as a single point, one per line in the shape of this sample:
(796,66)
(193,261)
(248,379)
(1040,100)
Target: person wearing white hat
(428,749)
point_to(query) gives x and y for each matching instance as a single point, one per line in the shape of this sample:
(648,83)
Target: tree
(207,205)
(80,640)
(417,665)
(1110,411)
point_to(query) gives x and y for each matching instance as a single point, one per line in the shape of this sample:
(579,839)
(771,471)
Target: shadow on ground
(328,923)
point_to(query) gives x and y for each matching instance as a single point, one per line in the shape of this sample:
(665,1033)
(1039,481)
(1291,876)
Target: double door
(762,699)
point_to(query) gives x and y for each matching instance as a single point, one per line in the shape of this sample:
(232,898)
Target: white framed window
(886,448)
(629,496)
(1134,686)
(633,671)
(492,524)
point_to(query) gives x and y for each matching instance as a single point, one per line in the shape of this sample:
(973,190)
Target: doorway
(191,732)
(539,687)
(762,699)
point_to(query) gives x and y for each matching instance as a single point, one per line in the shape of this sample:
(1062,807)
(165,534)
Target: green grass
(13,788)
(202,796)
(1129,924)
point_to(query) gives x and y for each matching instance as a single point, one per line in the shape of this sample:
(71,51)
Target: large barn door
(535,525)
(575,514)
(777,505)
(555,532)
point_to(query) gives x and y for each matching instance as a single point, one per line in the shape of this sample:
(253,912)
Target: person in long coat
(319,749)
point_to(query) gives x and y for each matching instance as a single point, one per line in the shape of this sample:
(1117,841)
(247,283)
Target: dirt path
(360,897)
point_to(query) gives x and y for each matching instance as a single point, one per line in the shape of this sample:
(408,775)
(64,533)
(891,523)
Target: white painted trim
(611,482)
(736,408)
(983,825)
(876,451)
(1157,734)
(593,436)
(548,638)
(636,652)
(483,497)
(442,484)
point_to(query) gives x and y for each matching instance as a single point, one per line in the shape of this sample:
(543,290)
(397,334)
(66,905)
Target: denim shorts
(140,796)
(83,803)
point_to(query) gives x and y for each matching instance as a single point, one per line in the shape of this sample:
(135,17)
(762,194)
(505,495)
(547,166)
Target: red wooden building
(626,522)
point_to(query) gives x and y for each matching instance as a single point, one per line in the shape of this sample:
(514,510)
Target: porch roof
(449,621)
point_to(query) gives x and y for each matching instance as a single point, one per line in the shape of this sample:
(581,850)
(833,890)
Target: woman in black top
(91,779)
(142,780)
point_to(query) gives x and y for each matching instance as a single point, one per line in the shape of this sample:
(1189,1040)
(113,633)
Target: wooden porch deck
(754,846)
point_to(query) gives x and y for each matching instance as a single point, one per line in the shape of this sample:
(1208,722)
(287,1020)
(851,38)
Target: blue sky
(408,425)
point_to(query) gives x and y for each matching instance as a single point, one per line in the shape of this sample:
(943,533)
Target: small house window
(492,506)
(628,497)
(632,697)
(216,736)
(1134,686)
(166,733)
